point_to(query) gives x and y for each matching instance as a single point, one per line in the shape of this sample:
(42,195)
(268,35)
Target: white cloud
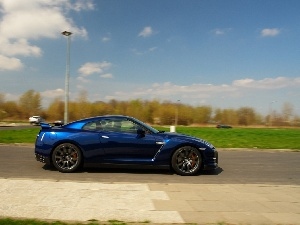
(7,63)
(169,90)
(49,95)
(105,39)
(22,21)
(146,32)
(11,97)
(137,52)
(82,5)
(270,32)
(91,68)
(205,92)
(18,47)
(152,49)
(53,93)
(267,83)
(82,80)
(219,31)
(107,75)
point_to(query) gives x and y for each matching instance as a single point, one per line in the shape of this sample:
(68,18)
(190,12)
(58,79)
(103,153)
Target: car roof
(85,120)
(103,117)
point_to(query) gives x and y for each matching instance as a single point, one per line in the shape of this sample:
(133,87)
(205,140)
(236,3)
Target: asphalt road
(236,167)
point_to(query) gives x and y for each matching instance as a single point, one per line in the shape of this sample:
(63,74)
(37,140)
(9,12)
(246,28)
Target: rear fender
(67,141)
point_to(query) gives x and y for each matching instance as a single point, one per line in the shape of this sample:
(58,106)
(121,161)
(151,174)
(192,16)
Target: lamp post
(176,113)
(271,113)
(173,127)
(68,35)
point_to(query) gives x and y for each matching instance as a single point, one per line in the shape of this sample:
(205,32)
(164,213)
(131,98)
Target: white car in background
(35,120)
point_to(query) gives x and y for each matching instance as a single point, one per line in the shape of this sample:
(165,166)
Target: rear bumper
(42,158)
(211,166)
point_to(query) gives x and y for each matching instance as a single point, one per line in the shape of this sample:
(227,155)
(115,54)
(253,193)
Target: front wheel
(186,161)
(66,158)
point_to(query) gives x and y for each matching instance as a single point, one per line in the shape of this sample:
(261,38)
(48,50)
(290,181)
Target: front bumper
(213,161)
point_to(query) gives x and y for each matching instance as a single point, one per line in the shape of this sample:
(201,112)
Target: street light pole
(271,113)
(173,127)
(67,77)
(176,113)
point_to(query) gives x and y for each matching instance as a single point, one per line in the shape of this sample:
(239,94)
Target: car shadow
(118,169)
(217,171)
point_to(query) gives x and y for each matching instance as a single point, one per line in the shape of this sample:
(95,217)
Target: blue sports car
(121,140)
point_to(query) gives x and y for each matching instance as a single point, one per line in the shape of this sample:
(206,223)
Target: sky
(221,53)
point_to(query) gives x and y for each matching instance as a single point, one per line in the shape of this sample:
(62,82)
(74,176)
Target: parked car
(35,120)
(121,140)
(223,126)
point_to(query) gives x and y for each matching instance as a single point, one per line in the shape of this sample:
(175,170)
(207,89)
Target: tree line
(153,112)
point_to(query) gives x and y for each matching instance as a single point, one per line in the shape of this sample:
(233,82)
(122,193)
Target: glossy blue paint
(120,140)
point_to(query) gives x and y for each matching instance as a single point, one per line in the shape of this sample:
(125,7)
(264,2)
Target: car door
(122,143)
(89,140)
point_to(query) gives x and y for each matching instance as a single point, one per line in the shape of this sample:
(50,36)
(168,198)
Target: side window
(119,125)
(112,125)
(94,126)
(107,125)
(89,126)
(129,127)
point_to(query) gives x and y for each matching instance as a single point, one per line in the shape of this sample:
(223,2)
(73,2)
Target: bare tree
(3,113)
(287,112)
(82,107)
(246,116)
(55,110)
(155,111)
(2,99)
(30,103)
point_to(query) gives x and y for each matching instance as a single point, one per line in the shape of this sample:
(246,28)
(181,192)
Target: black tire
(66,158)
(186,161)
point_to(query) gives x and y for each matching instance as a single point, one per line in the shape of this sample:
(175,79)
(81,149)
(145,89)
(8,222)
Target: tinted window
(94,125)
(113,125)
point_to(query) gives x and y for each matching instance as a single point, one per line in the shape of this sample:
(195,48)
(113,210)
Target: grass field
(261,138)
(19,136)
(10,221)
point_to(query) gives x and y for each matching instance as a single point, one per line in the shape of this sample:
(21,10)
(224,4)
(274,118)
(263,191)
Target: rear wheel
(186,161)
(66,157)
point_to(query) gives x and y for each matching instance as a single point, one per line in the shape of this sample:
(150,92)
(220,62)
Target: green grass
(261,138)
(19,136)
(10,221)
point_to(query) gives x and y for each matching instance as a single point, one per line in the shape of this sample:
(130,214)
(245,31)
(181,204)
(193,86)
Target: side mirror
(140,132)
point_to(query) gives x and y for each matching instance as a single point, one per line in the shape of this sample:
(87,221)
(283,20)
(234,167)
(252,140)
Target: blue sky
(227,54)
